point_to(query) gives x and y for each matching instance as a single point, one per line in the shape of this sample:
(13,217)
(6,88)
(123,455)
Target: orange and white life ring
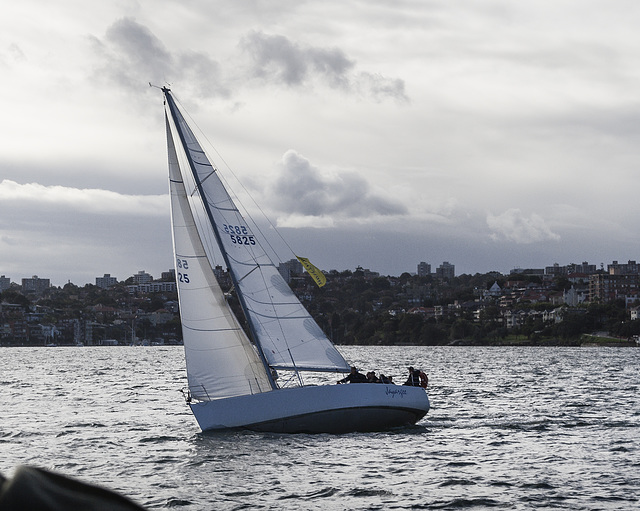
(424,380)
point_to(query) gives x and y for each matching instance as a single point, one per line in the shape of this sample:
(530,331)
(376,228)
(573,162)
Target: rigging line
(271,224)
(247,274)
(295,368)
(210,174)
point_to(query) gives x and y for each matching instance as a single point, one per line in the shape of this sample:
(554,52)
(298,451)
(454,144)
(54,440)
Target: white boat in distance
(232,380)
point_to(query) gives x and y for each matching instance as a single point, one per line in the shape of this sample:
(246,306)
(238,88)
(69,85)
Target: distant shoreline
(585,341)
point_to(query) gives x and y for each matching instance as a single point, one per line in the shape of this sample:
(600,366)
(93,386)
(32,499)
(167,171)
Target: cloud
(72,233)
(512,225)
(305,194)
(130,54)
(12,55)
(277,59)
(81,200)
(381,87)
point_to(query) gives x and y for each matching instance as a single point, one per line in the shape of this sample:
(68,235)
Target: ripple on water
(509,428)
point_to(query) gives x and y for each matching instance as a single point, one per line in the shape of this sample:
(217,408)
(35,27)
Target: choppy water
(510,428)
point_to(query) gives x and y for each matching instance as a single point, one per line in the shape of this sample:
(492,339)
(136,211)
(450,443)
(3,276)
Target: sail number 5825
(182,264)
(239,234)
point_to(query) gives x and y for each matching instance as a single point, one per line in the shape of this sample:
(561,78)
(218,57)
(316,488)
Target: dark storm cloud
(303,189)
(130,55)
(277,59)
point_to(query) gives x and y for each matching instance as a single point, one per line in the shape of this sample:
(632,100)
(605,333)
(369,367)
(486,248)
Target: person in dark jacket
(385,379)
(372,378)
(414,378)
(354,377)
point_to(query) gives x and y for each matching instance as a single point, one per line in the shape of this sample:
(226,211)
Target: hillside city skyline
(445,270)
(552,305)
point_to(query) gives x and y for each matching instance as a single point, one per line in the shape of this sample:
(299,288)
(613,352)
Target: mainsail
(285,333)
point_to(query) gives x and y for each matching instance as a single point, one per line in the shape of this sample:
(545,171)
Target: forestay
(287,334)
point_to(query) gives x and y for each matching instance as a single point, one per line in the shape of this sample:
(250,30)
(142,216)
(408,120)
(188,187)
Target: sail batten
(278,318)
(311,369)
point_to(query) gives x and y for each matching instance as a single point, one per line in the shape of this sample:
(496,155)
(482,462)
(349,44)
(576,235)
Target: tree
(461,329)
(15,298)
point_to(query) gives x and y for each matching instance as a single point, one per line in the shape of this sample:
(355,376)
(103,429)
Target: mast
(173,109)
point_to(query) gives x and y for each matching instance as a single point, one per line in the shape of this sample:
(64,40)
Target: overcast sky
(489,134)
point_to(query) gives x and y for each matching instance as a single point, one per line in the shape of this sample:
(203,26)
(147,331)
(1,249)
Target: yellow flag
(315,273)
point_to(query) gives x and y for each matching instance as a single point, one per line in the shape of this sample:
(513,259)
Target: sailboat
(232,375)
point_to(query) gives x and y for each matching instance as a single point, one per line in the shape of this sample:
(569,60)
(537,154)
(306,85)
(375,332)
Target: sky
(490,134)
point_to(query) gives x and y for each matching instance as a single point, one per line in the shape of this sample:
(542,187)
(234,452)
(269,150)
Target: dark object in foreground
(39,490)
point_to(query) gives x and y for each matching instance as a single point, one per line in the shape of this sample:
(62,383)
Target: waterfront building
(106,282)
(35,285)
(555,270)
(585,268)
(569,269)
(630,268)
(156,286)
(446,271)
(168,275)
(142,277)
(424,269)
(605,287)
(290,268)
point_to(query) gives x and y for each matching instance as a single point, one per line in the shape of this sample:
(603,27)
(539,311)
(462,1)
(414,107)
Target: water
(509,428)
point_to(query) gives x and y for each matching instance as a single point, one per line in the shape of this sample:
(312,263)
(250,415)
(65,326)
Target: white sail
(221,362)
(287,334)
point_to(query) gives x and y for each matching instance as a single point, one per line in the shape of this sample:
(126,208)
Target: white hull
(322,409)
